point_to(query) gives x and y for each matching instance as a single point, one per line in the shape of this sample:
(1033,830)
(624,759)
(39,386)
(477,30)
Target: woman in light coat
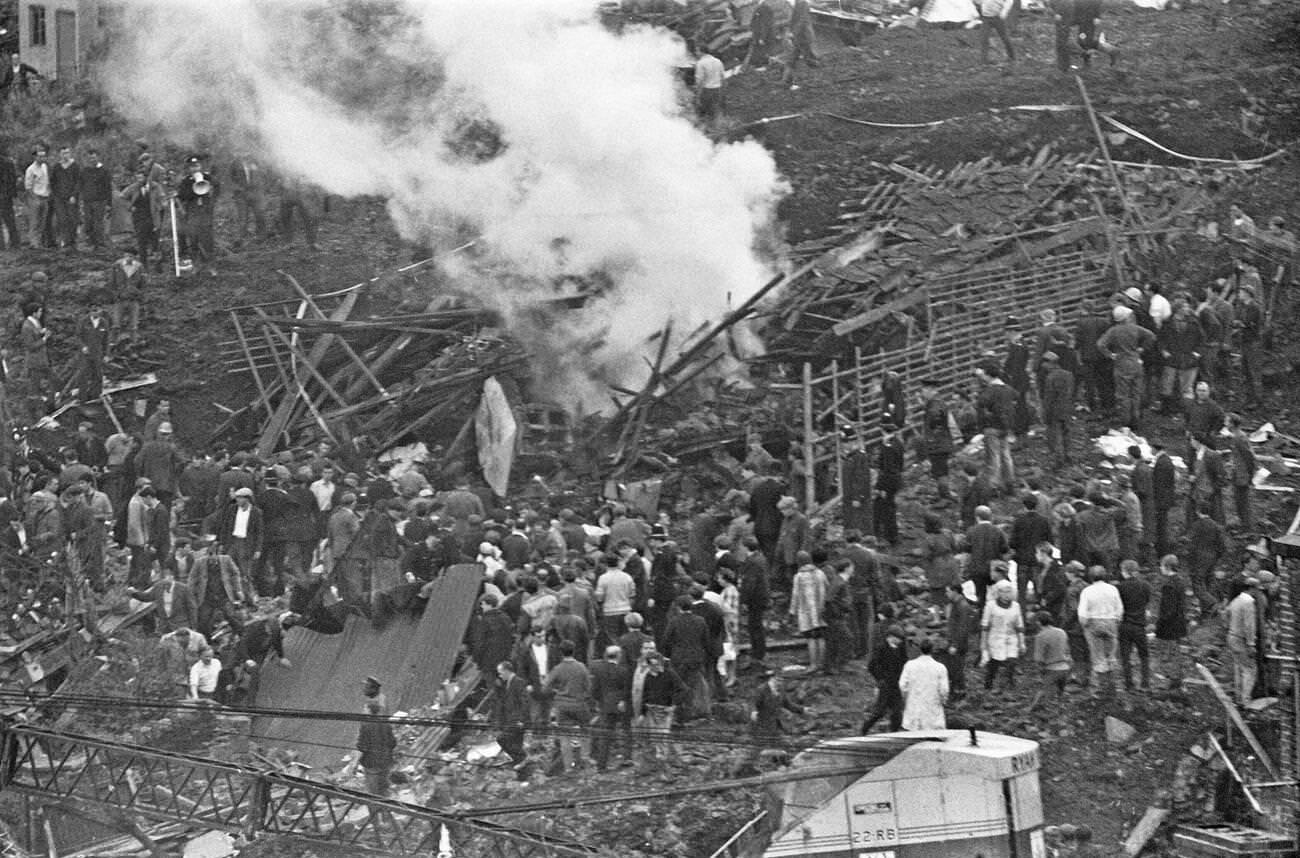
(807,608)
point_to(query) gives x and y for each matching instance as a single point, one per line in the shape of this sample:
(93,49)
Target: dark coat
(1029,529)
(762,508)
(767,710)
(886,665)
(687,641)
(494,640)
(511,707)
(1164,483)
(986,543)
(611,685)
(1058,395)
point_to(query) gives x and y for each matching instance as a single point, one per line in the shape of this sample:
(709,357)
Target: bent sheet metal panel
(410,657)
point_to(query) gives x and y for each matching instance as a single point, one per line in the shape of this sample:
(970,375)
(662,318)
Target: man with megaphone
(197,195)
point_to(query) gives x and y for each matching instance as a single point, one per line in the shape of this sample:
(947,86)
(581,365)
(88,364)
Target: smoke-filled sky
(561,145)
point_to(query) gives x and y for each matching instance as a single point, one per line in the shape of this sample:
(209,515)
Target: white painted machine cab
(933,794)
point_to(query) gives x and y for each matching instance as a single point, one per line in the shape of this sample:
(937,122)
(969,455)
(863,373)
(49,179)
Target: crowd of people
(598,619)
(75,195)
(780,34)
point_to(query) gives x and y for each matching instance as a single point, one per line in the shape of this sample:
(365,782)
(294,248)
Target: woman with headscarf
(807,608)
(1002,635)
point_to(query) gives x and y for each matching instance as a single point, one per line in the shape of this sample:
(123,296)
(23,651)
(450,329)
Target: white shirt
(1100,601)
(541,655)
(203,677)
(37,179)
(240,530)
(1160,309)
(324,493)
(708,72)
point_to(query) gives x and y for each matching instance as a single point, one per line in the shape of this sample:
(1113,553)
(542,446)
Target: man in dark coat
(986,543)
(494,636)
(1058,407)
(763,512)
(1028,530)
(376,743)
(96,194)
(886,667)
(1171,622)
(611,693)
(996,408)
(511,713)
(857,495)
(755,597)
(1095,380)
(936,441)
(8,192)
(686,641)
(1164,496)
(888,484)
(1207,543)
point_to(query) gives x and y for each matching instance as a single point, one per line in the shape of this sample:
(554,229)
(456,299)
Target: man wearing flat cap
(197,195)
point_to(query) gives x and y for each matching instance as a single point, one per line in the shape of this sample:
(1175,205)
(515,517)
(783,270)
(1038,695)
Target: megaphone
(201,184)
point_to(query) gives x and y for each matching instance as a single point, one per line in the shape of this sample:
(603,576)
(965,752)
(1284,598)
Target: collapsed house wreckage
(927,271)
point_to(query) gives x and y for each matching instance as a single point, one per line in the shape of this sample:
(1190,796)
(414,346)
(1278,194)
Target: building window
(37,25)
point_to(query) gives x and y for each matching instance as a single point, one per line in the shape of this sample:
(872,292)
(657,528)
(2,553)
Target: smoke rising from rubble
(562,146)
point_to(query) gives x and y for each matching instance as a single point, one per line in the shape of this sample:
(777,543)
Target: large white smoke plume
(562,146)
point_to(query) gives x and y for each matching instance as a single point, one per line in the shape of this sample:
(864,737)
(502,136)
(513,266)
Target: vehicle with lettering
(931,794)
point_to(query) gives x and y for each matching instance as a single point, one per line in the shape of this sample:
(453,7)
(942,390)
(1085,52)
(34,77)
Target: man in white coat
(924,684)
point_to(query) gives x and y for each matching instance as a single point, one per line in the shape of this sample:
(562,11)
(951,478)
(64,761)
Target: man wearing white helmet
(1124,343)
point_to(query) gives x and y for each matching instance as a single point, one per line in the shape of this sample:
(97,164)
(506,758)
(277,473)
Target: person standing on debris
(611,688)
(65,186)
(938,438)
(1100,611)
(1134,595)
(240,532)
(924,683)
(126,283)
(161,463)
(570,684)
(1181,342)
(886,668)
(96,195)
(8,192)
(807,609)
(1002,635)
(1029,529)
(1123,344)
(376,742)
(755,597)
(1207,543)
(801,42)
(1243,474)
(140,538)
(889,482)
(1057,395)
(93,332)
(511,713)
(1242,639)
(993,16)
(795,539)
(1096,382)
(249,186)
(656,691)
(996,409)
(959,623)
(1250,323)
(985,543)
(1052,653)
(709,79)
(36,181)
(142,197)
(856,491)
(197,195)
(1083,14)
(1164,496)
(217,585)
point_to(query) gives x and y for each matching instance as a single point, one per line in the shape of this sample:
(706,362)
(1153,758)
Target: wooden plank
(279,421)
(252,366)
(848,326)
(1240,723)
(347,348)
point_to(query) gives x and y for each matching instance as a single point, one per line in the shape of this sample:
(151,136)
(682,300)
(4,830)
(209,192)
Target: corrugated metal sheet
(410,657)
